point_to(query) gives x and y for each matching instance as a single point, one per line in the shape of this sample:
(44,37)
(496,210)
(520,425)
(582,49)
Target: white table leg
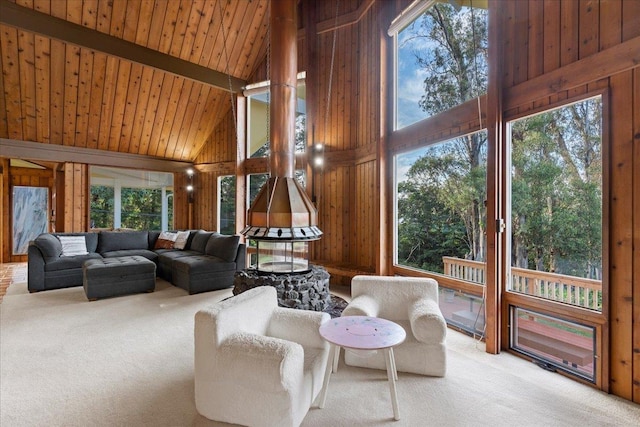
(390,362)
(393,360)
(336,357)
(327,374)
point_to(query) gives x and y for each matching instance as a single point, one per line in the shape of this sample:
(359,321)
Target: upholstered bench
(110,277)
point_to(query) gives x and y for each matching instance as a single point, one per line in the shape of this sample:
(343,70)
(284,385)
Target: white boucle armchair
(411,302)
(256,363)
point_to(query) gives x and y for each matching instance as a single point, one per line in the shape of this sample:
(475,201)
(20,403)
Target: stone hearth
(306,291)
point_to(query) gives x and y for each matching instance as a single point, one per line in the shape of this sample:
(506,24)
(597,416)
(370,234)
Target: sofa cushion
(165,240)
(49,245)
(69,262)
(73,245)
(150,255)
(223,247)
(199,242)
(181,240)
(116,240)
(201,264)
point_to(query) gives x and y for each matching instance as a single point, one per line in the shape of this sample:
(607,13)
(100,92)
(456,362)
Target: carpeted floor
(128,361)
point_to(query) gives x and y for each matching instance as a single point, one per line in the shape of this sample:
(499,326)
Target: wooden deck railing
(572,290)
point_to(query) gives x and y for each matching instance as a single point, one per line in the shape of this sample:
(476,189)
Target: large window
(227,204)
(441,220)
(133,199)
(258,120)
(441,59)
(556,204)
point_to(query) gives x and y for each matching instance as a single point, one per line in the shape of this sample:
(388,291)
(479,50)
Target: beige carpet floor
(128,361)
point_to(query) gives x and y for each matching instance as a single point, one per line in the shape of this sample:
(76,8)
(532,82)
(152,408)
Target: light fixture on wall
(190,175)
(318,156)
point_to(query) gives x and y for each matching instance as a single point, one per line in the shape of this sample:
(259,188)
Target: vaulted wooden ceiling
(133,76)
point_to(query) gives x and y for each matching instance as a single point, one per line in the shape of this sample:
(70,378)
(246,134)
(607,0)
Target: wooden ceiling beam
(49,26)
(39,152)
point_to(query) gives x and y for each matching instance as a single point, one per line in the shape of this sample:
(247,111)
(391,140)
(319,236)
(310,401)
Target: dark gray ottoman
(110,277)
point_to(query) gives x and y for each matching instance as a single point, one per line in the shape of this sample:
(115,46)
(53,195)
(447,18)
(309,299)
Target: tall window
(440,59)
(441,220)
(126,198)
(227,204)
(258,120)
(556,204)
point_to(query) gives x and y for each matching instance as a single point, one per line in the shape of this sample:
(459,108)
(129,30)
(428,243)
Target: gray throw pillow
(223,247)
(199,242)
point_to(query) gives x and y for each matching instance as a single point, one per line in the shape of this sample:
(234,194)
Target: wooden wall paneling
(508,42)
(26,57)
(589,16)
(143,27)
(259,41)
(536,21)
(551,35)
(190,131)
(170,17)
(119,104)
(170,115)
(636,235)
(131,20)
(104,12)
(230,59)
(569,35)
(142,106)
(11,76)
(128,120)
(72,61)
(95,96)
(610,24)
(630,19)
(520,42)
(83,102)
(4,129)
(56,87)
(184,113)
(4,208)
(620,245)
(107,99)
(42,70)
(163,104)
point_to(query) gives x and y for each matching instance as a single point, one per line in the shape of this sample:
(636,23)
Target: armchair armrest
(307,324)
(362,305)
(427,322)
(263,363)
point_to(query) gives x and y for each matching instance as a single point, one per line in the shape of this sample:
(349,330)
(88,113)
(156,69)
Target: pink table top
(362,332)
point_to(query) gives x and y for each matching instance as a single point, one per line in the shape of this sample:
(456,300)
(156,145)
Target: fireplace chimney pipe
(284,70)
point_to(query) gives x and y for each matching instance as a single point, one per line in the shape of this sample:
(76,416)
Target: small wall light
(318,155)
(190,172)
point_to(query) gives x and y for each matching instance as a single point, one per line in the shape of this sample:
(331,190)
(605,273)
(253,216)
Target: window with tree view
(441,61)
(556,204)
(440,211)
(135,199)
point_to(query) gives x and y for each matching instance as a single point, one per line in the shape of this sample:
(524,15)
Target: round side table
(363,333)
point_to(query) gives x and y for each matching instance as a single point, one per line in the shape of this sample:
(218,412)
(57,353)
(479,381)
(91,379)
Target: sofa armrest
(35,268)
(362,305)
(262,363)
(307,326)
(427,322)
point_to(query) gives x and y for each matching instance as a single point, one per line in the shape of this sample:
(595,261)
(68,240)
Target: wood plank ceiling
(55,92)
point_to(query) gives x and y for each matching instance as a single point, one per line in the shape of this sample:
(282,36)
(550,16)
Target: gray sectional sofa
(208,261)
